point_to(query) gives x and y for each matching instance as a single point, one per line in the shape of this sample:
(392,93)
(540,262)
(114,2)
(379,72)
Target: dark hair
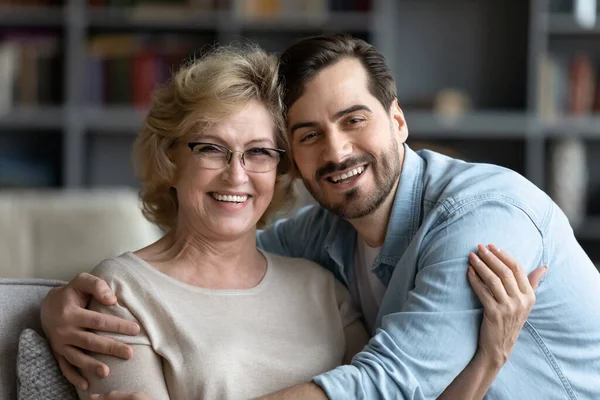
(304,59)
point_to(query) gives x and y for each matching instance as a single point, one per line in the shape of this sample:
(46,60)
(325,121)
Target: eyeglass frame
(230,152)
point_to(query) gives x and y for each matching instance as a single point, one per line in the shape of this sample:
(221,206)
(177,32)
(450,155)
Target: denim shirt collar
(402,226)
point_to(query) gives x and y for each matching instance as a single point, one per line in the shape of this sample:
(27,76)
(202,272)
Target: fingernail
(108,297)
(83,386)
(100,372)
(494,248)
(95,396)
(483,249)
(473,257)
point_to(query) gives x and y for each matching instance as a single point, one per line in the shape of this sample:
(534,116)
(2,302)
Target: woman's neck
(196,259)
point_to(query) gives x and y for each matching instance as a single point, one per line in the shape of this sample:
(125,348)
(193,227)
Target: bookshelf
(31,16)
(563,23)
(489,50)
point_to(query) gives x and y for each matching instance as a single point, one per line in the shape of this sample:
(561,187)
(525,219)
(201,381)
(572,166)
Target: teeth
(355,171)
(229,198)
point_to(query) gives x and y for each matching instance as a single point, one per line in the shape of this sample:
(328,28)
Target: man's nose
(338,146)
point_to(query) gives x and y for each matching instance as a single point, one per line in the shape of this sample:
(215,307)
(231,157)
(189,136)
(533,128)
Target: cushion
(19,310)
(38,374)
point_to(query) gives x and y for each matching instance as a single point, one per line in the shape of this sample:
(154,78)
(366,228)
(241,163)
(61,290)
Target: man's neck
(373,227)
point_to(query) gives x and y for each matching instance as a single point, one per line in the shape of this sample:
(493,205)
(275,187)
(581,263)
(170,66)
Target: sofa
(55,234)
(19,309)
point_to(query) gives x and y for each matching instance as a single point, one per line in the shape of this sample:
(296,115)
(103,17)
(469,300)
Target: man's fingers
(116,395)
(479,288)
(107,323)
(102,344)
(514,265)
(489,278)
(535,276)
(71,373)
(90,284)
(501,270)
(85,362)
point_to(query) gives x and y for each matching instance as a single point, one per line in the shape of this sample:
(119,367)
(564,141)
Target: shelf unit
(393,26)
(565,24)
(28,16)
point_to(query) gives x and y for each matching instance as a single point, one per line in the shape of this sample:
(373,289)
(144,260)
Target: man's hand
(115,395)
(66,322)
(507,295)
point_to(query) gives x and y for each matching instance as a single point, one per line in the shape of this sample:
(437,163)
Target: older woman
(220,318)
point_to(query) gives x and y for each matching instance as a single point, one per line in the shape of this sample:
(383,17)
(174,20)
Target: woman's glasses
(255,159)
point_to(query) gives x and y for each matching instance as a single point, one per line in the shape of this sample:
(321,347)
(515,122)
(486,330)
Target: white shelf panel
(33,118)
(475,125)
(588,127)
(565,24)
(31,16)
(114,120)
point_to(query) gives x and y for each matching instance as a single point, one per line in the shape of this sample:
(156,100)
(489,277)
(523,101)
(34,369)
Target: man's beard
(356,204)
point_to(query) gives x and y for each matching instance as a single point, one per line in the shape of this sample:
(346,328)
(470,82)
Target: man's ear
(398,121)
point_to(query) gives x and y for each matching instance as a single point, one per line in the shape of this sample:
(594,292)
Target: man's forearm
(298,392)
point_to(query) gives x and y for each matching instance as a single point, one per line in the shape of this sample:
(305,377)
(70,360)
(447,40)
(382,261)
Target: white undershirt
(366,288)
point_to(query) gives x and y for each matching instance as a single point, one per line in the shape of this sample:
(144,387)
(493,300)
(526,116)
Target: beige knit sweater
(227,344)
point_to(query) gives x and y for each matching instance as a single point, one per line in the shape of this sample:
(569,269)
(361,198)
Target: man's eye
(354,121)
(308,136)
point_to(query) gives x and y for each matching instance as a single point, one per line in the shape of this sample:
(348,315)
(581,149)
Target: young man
(395,226)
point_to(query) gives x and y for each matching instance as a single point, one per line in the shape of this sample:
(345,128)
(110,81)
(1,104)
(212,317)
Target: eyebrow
(336,116)
(218,140)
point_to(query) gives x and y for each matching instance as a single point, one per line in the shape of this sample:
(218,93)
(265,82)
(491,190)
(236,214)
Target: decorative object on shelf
(585,12)
(569,178)
(452,103)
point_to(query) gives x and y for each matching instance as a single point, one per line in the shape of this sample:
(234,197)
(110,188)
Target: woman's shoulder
(298,266)
(117,268)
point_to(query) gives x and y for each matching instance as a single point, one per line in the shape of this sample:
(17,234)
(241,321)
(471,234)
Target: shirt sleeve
(355,333)
(143,372)
(418,351)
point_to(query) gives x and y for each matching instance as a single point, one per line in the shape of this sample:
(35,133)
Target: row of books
(31,3)
(125,69)
(247,7)
(30,70)
(568,86)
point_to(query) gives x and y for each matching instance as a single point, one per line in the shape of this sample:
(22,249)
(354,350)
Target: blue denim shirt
(429,320)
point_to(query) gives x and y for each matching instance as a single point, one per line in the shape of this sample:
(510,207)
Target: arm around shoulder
(143,372)
(424,344)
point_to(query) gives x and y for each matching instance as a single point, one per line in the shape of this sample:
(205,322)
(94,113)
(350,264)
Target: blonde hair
(201,93)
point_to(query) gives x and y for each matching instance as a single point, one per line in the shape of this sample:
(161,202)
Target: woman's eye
(258,151)
(207,149)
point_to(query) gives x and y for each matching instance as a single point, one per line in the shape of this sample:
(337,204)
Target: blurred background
(510,82)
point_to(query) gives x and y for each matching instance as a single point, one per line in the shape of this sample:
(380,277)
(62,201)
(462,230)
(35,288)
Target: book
(581,85)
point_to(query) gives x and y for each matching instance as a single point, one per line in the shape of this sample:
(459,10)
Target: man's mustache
(331,167)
